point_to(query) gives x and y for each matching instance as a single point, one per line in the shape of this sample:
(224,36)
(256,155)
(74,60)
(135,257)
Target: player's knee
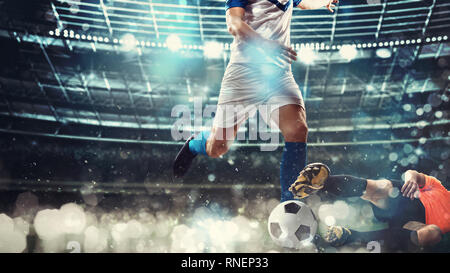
(297,133)
(429,235)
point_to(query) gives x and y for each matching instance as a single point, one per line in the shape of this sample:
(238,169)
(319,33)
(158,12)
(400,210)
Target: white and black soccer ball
(292,224)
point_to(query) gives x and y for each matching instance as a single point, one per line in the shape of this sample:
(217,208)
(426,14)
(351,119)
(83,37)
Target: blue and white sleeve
(296,3)
(235,3)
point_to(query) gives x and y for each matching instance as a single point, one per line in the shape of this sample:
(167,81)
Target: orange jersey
(436,200)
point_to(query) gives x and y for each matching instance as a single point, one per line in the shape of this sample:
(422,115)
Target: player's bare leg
(291,119)
(214,144)
(292,123)
(220,140)
(377,192)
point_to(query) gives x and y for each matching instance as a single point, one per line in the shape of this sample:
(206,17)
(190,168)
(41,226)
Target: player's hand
(331,5)
(279,52)
(410,188)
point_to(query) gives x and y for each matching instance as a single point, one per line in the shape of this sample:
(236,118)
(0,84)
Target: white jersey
(250,80)
(269,18)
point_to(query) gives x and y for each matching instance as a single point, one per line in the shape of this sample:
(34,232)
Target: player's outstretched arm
(413,181)
(317,4)
(240,29)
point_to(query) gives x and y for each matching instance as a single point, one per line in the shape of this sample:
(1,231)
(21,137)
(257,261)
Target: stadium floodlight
(384,53)
(128,42)
(173,42)
(348,52)
(213,50)
(306,55)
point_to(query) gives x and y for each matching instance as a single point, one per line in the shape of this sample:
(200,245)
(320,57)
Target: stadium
(89,92)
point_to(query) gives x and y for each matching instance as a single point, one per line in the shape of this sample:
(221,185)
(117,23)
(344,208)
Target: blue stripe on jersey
(235,3)
(297,2)
(281,6)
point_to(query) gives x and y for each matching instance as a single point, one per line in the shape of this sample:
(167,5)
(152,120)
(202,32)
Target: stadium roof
(108,64)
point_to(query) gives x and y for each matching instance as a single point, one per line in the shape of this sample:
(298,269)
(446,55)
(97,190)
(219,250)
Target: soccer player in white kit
(258,73)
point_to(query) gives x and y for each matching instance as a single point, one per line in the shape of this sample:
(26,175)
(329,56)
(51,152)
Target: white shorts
(247,88)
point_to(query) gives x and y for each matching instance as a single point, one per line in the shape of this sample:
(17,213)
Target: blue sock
(198,144)
(293,161)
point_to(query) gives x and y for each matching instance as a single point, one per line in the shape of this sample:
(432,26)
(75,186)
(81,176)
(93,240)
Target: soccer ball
(292,224)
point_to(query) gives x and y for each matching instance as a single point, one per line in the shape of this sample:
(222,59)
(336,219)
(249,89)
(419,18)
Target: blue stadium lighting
(348,52)
(213,50)
(306,55)
(173,42)
(370,88)
(128,42)
(383,53)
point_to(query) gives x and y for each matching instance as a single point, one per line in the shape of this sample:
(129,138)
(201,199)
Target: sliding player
(259,73)
(417,211)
